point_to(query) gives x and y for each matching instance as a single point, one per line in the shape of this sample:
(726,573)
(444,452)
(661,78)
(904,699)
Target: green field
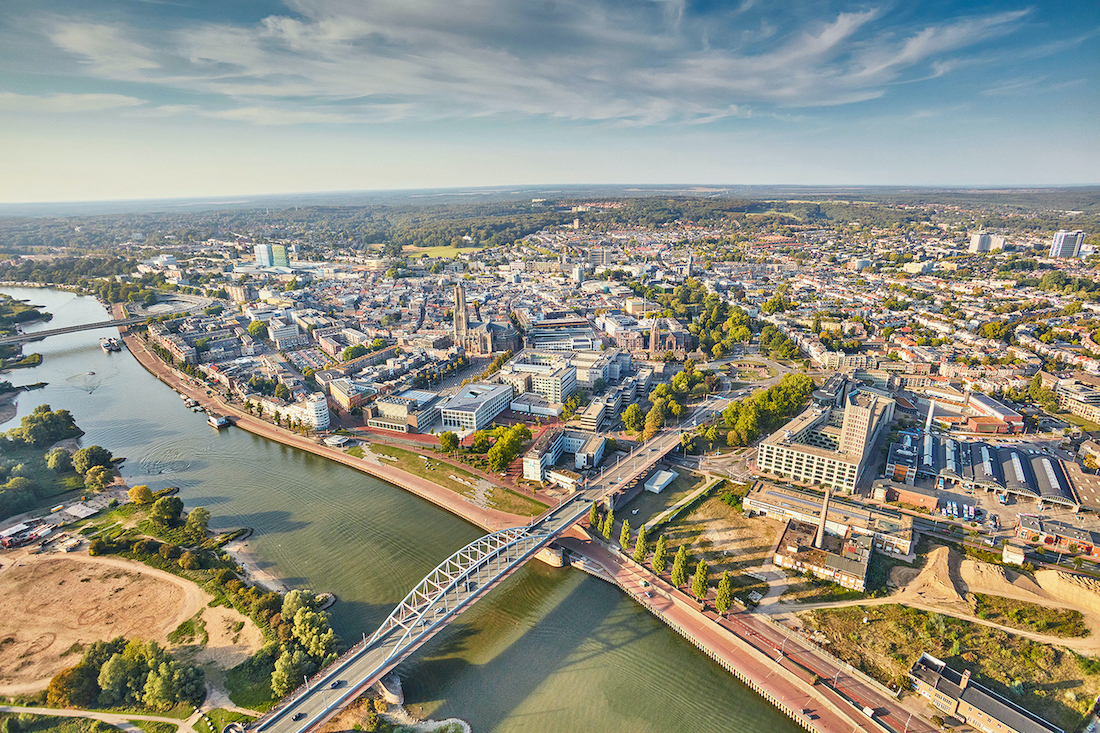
(440,473)
(448,251)
(29,723)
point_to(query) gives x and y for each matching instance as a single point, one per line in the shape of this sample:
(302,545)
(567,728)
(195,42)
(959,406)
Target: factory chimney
(821,525)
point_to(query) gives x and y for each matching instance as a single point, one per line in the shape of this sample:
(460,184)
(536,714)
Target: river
(550,651)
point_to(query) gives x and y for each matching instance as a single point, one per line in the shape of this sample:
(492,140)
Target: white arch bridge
(453,586)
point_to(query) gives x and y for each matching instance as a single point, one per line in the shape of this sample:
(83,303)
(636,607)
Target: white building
(1066,244)
(475,406)
(311,412)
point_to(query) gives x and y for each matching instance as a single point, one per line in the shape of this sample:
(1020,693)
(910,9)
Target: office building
(980,242)
(263,255)
(587,450)
(600,257)
(475,406)
(412,411)
(543,373)
(279,256)
(1067,244)
(828,446)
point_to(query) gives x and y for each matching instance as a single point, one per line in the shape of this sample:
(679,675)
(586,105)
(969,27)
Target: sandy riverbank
(8,407)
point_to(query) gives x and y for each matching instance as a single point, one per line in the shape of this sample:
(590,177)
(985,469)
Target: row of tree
(700,579)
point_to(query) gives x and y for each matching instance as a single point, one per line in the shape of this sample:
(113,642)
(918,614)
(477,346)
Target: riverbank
(487,519)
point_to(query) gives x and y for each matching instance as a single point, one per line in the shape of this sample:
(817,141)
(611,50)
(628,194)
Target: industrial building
(956,694)
(891,531)
(974,464)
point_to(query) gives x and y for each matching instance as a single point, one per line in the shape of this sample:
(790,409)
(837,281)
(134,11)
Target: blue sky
(158,98)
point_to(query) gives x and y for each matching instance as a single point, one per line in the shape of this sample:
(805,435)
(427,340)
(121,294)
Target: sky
(128,99)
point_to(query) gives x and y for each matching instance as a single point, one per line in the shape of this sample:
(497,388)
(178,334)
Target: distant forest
(391,227)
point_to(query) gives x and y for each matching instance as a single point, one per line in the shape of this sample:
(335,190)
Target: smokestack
(821,525)
(965,680)
(928,423)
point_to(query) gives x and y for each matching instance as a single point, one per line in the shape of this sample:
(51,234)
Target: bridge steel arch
(455,582)
(428,608)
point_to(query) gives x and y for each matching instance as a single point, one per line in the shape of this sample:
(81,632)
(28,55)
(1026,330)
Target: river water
(550,651)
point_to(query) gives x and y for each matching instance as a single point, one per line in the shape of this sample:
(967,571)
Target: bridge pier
(390,689)
(552,555)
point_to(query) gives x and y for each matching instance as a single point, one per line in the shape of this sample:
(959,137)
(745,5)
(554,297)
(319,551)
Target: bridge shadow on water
(583,627)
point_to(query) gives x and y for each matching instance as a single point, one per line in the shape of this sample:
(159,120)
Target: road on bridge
(430,611)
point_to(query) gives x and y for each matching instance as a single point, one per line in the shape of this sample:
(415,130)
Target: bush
(190,561)
(97,547)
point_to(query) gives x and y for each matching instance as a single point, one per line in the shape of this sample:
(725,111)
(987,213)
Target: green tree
(594,516)
(609,525)
(660,556)
(700,582)
(257,330)
(190,561)
(723,599)
(87,458)
(97,547)
(59,460)
(633,418)
(98,478)
(712,436)
(140,494)
(354,352)
(640,549)
(679,567)
(624,535)
(166,510)
(198,519)
(481,442)
(448,442)
(282,391)
(290,668)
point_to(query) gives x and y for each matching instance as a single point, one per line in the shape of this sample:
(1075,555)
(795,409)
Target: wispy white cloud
(65,103)
(595,60)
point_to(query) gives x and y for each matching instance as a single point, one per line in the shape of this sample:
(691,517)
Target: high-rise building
(462,318)
(1067,244)
(599,257)
(279,256)
(980,242)
(263,255)
(578,274)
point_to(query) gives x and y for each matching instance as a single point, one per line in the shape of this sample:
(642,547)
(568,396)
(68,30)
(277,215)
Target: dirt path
(942,584)
(116,719)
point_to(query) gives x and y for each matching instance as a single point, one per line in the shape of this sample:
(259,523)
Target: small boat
(218,421)
(197,408)
(110,344)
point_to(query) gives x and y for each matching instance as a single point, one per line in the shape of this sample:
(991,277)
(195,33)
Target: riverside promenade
(486,518)
(808,685)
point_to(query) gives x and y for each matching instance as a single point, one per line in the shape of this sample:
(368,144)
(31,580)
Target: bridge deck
(456,584)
